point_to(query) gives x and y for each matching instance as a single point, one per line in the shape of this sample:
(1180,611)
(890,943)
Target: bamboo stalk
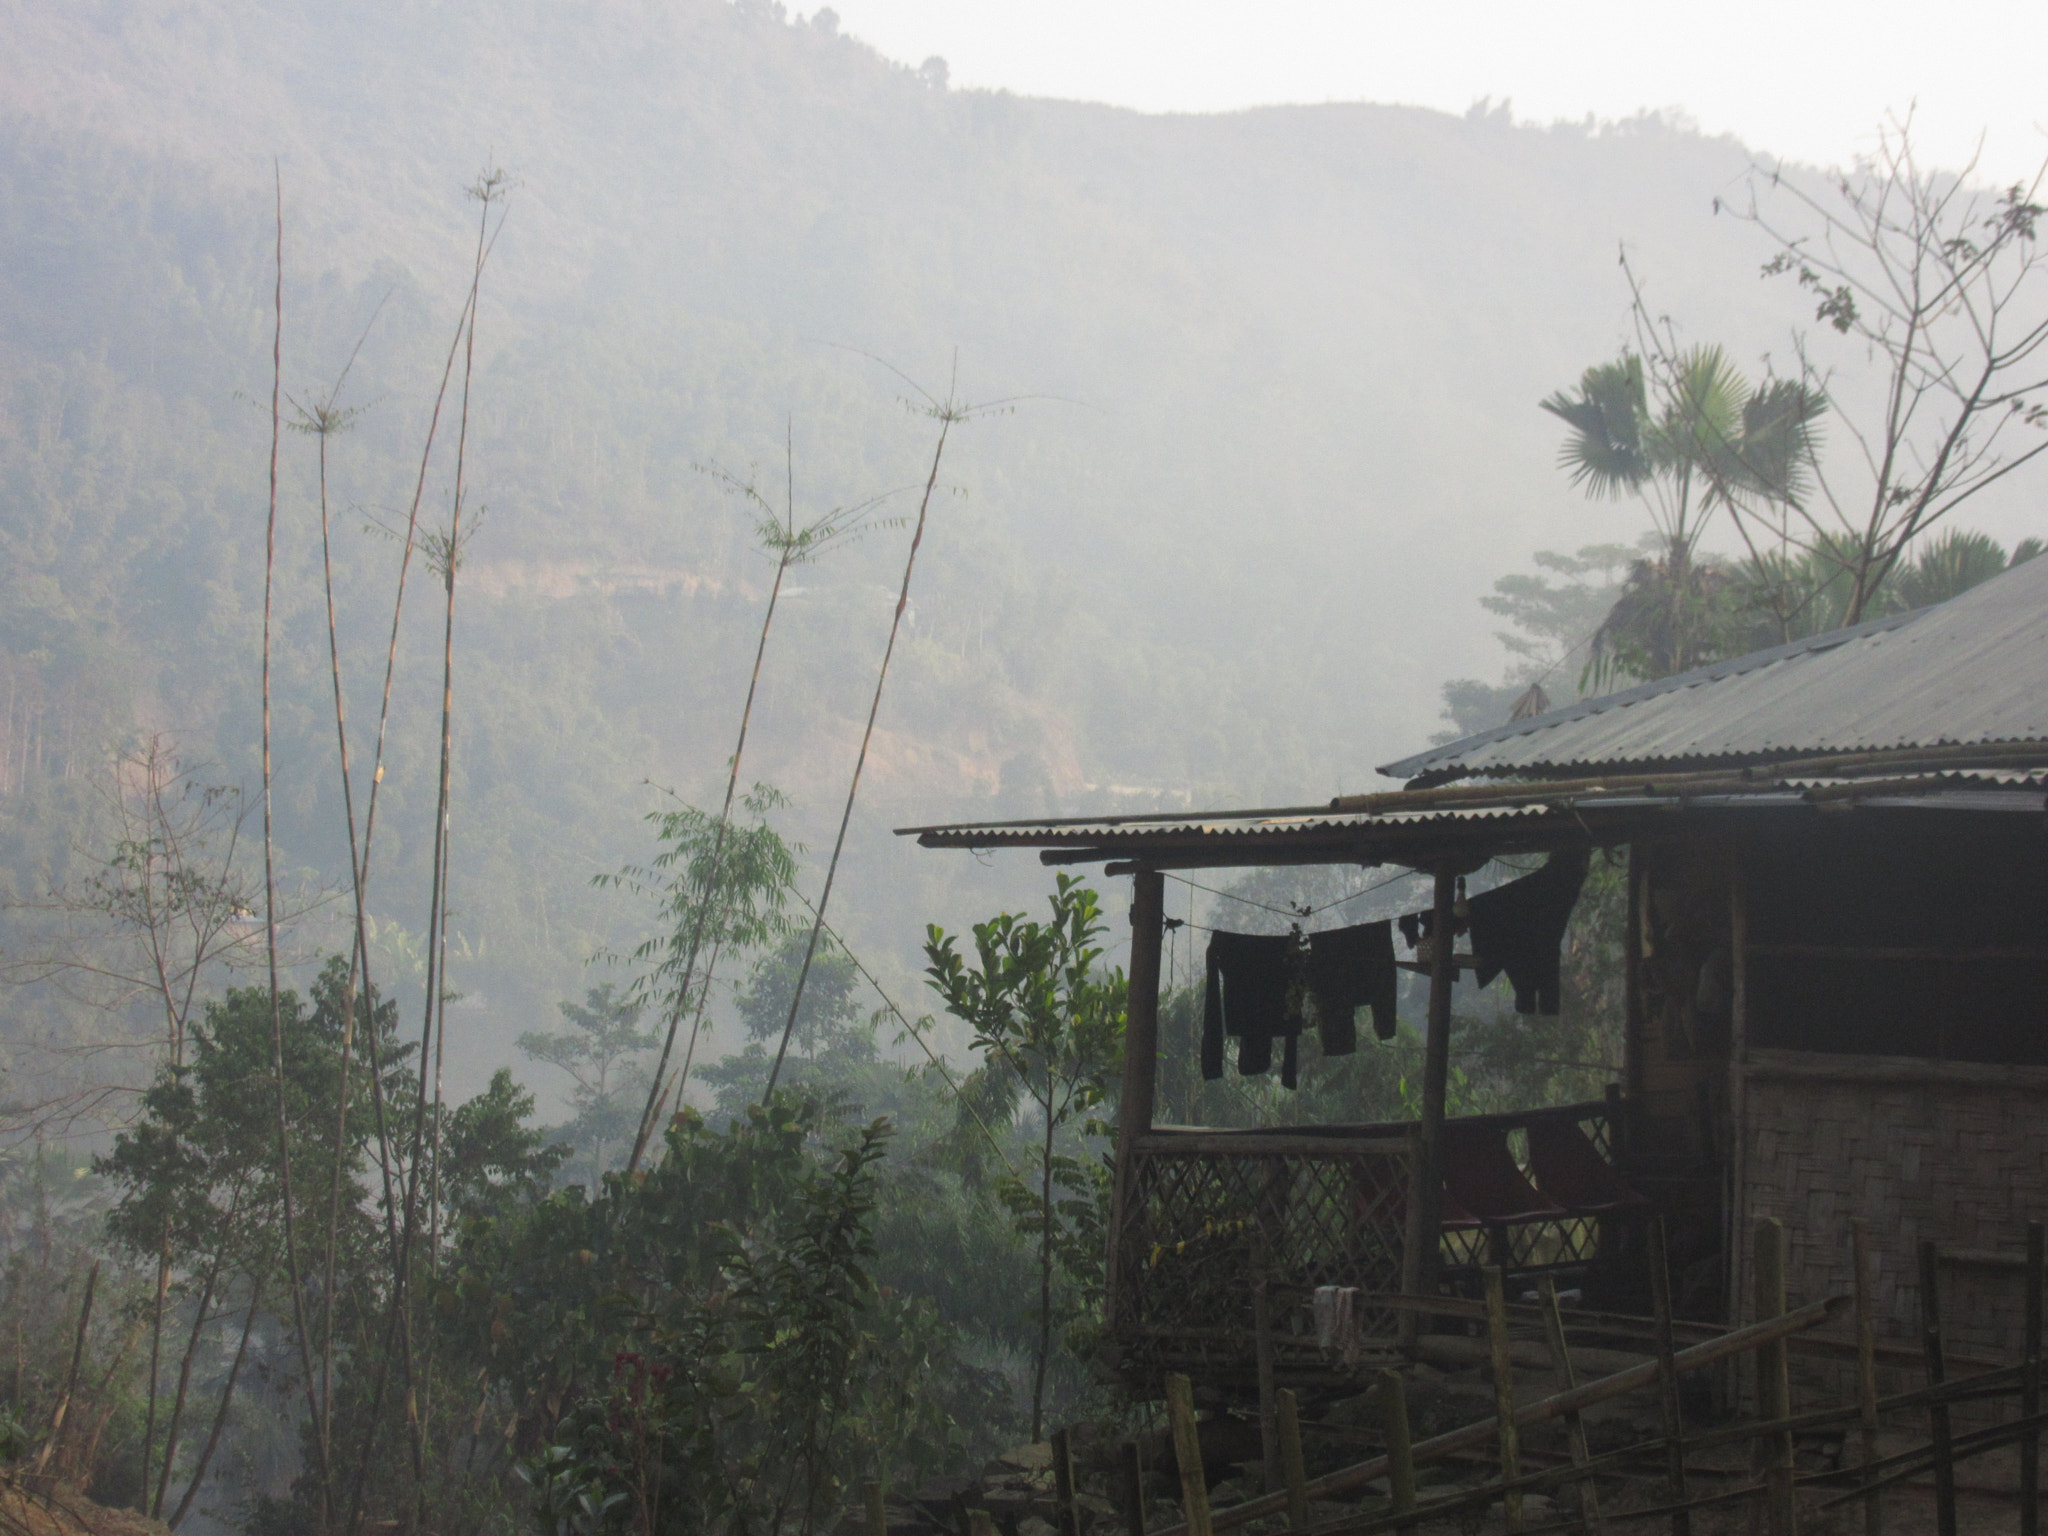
(63,1408)
(1393,1395)
(1187,1451)
(1262,1352)
(1937,1412)
(1063,1483)
(1132,1467)
(1698,1357)
(1575,1424)
(284,1150)
(1503,1385)
(1292,1469)
(1667,1378)
(220,1417)
(2030,1387)
(1866,1365)
(1773,1384)
(947,413)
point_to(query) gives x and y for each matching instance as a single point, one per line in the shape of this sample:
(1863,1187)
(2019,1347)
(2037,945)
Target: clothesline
(1302,912)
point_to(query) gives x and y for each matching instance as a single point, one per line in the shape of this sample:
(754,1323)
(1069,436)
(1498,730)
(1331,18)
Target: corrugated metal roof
(1969,671)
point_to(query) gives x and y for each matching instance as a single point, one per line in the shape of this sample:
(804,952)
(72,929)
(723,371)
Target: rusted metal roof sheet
(1972,670)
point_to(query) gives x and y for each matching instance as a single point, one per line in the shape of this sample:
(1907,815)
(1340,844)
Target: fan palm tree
(1687,434)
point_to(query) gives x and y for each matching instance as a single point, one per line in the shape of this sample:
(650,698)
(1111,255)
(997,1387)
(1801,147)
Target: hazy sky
(1805,79)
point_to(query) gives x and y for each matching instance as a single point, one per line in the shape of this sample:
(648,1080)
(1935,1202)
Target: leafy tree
(600,1051)
(713,884)
(717,1354)
(1937,285)
(1048,1021)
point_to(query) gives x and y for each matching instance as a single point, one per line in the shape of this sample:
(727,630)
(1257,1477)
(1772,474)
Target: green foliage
(743,1368)
(601,1051)
(1048,1022)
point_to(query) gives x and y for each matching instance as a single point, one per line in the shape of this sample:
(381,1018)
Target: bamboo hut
(1836,1004)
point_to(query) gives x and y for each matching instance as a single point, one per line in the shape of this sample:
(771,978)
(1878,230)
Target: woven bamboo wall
(1960,1159)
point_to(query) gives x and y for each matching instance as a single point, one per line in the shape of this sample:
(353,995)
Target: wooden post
(1133,1469)
(1187,1451)
(1574,1423)
(1937,1413)
(979,1524)
(1773,1382)
(1292,1468)
(2030,1388)
(1425,1203)
(1063,1483)
(1667,1380)
(1504,1394)
(1393,1397)
(1141,1064)
(1866,1365)
(878,1515)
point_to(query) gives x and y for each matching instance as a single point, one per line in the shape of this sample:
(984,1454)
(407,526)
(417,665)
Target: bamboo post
(1504,1394)
(1773,1383)
(979,1523)
(1141,1064)
(1063,1482)
(1187,1451)
(1393,1395)
(2030,1388)
(1575,1423)
(1866,1366)
(1425,1204)
(878,1516)
(1667,1379)
(1262,1353)
(1287,1420)
(1937,1412)
(1133,1469)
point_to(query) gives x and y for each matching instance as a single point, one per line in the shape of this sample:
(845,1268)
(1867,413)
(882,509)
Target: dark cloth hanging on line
(1519,928)
(1247,996)
(1350,968)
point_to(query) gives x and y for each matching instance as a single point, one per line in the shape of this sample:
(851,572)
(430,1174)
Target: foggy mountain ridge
(1280,430)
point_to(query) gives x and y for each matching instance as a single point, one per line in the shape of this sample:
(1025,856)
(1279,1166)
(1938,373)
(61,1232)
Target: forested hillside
(1275,431)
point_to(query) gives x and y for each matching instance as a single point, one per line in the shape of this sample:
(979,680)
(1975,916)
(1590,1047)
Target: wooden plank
(1273,1144)
(1957,954)
(1937,1412)
(1910,1071)
(1187,1452)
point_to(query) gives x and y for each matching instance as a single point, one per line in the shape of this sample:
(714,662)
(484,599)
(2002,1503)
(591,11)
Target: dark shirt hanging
(1519,928)
(1349,968)
(1247,997)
